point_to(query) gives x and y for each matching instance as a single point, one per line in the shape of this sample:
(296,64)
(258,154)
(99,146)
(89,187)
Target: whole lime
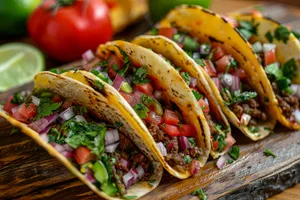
(159,8)
(13,15)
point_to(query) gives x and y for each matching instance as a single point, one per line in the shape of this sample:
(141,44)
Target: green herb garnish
(140,75)
(46,108)
(197,95)
(154,31)
(268,152)
(187,159)
(192,141)
(141,110)
(289,68)
(199,192)
(269,36)
(17,98)
(190,44)
(234,152)
(186,77)
(282,33)
(99,85)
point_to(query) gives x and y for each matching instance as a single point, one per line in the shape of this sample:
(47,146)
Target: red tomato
(231,20)
(8,105)
(240,73)
(67,33)
(83,155)
(210,68)
(170,117)
(222,63)
(229,141)
(24,113)
(215,144)
(170,129)
(56,98)
(218,53)
(145,88)
(187,130)
(66,104)
(114,60)
(204,106)
(167,32)
(126,96)
(270,57)
(153,118)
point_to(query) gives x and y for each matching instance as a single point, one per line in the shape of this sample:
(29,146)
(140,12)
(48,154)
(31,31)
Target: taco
(88,135)
(179,133)
(278,51)
(220,131)
(211,42)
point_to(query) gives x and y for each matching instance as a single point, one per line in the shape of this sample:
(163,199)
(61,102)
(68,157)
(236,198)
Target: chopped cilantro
(197,95)
(289,68)
(268,129)
(58,70)
(253,129)
(55,136)
(229,161)
(115,67)
(151,181)
(211,54)
(103,63)
(296,34)
(246,25)
(200,62)
(140,75)
(244,96)
(199,192)
(17,98)
(99,85)
(46,108)
(266,99)
(187,159)
(178,68)
(269,36)
(268,152)
(192,141)
(141,110)
(129,197)
(81,109)
(232,64)
(118,125)
(186,77)
(283,83)
(14,130)
(190,44)
(282,33)
(154,31)
(176,37)
(95,72)
(273,69)
(234,152)
(220,137)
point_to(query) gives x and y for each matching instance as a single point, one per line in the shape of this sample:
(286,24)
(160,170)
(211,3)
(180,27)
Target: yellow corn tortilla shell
(174,90)
(100,106)
(210,27)
(171,51)
(284,52)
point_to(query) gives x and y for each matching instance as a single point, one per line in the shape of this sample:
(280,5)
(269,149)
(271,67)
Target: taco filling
(229,78)
(100,152)
(174,137)
(279,74)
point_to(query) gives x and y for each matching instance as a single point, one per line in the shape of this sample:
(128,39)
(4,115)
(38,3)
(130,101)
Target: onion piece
(67,147)
(296,113)
(204,49)
(296,89)
(80,118)
(236,83)
(90,177)
(14,109)
(162,148)
(67,154)
(111,136)
(141,171)
(118,82)
(184,142)
(157,95)
(128,179)
(268,47)
(217,82)
(98,68)
(222,161)
(46,130)
(88,56)
(245,119)
(227,80)
(36,101)
(196,55)
(58,147)
(193,82)
(67,114)
(44,137)
(134,173)
(43,123)
(194,167)
(257,47)
(111,148)
(136,97)
(124,163)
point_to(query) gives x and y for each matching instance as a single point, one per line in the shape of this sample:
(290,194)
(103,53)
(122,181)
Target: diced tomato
(231,20)
(187,130)
(155,83)
(170,117)
(240,73)
(24,113)
(19,117)
(145,88)
(210,68)
(114,60)
(215,144)
(8,105)
(229,141)
(170,145)
(204,106)
(56,98)
(167,32)
(83,155)
(222,63)
(170,129)
(218,53)
(66,104)
(153,118)
(127,97)
(270,57)
(256,13)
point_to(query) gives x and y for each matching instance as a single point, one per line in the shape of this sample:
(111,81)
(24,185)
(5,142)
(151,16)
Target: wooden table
(221,6)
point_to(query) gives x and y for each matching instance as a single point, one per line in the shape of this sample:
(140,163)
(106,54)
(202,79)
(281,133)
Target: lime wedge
(19,63)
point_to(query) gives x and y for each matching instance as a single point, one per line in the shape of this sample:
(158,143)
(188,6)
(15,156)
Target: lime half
(19,63)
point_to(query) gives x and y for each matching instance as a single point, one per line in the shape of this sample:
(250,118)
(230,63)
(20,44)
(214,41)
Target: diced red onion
(44,137)
(124,163)
(157,95)
(87,56)
(35,100)
(184,142)
(67,114)
(268,47)
(67,147)
(162,148)
(194,167)
(14,109)
(80,118)
(217,82)
(136,97)
(222,161)
(111,148)
(90,177)
(245,119)
(141,171)
(193,82)
(210,68)
(236,83)
(227,80)
(118,82)
(296,113)
(105,74)
(43,123)
(58,147)
(128,179)
(98,68)
(134,173)
(257,47)
(45,131)
(67,154)
(128,79)
(196,55)
(204,50)
(111,136)
(296,89)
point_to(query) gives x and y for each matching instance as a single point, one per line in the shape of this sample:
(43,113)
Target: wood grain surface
(28,172)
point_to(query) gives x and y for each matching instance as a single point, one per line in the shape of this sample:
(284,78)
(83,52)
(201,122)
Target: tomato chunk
(127,97)
(218,53)
(8,105)
(215,145)
(210,68)
(270,57)
(204,106)
(25,112)
(170,129)
(56,98)
(222,63)
(145,88)
(114,62)
(153,118)
(167,32)
(187,130)
(66,104)
(170,117)
(240,73)
(83,155)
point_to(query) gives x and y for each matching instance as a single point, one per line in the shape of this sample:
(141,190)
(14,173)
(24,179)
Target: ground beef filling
(175,155)
(287,102)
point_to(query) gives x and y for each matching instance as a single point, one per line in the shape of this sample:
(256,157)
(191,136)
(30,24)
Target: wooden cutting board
(28,172)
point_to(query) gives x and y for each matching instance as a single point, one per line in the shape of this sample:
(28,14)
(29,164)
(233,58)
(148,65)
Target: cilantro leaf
(192,141)
(200,62)
(268,152)
(55,136)
(80,109)
(240,97)
(197,95)
(273,69)
(103,63)
(140,75)
(269,36)
(17,98)
(220,137)
(289,68)
(253,129)
(129,197)
(99,85)
(199,192)
(46,108)
(187,159)
(190,44)
(154,31)
(234,152)
(282,33)
(186,77)
(141,110)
